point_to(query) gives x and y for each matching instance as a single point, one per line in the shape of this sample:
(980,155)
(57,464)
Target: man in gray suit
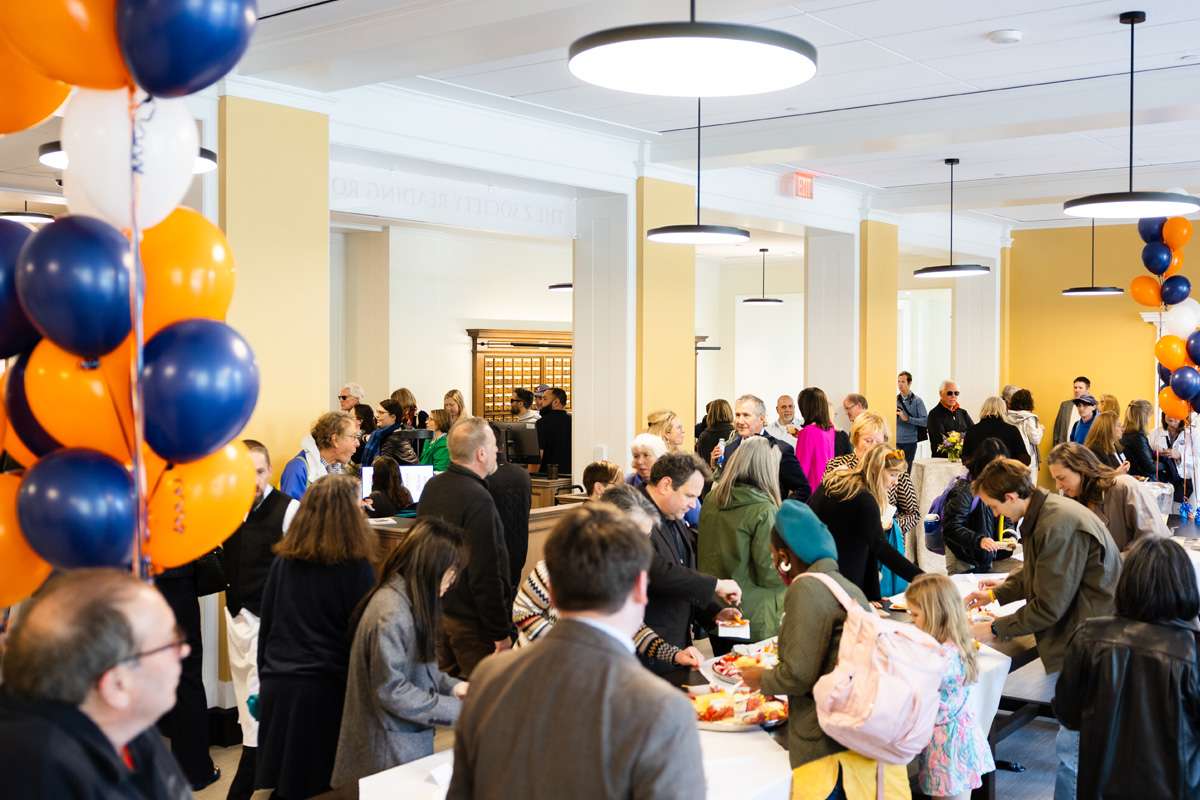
(603,726)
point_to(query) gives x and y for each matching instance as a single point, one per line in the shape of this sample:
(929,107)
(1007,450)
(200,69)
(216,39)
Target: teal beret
(804,534)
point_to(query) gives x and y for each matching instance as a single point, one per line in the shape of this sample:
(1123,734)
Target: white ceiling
(901,85)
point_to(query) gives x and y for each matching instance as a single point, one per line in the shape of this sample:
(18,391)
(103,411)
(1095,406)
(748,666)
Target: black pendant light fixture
(693,59)
(952,270)
(28,217)
(1092,290)
(697,234)
(764,300)
(52,155)
(562,287)
(1131,204)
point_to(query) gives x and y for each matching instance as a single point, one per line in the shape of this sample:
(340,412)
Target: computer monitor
(519,442)
(414,478)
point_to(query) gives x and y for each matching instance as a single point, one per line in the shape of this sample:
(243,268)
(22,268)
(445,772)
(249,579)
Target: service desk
(544,490)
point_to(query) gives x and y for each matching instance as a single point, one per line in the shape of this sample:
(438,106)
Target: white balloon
(1180,320)
(78,202)
(1193,304)
(97,136)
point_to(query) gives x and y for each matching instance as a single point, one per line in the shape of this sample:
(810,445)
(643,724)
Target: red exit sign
(802,185)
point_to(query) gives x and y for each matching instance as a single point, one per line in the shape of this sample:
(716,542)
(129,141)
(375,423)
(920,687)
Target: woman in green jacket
(435,452)
(735,535)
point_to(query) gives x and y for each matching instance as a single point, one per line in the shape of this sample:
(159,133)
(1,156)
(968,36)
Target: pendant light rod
(951,162)
(1093,251)
(763,250)
(1133,21)
(697,139)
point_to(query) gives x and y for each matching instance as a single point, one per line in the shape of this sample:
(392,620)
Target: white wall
(443,282)
(923,340)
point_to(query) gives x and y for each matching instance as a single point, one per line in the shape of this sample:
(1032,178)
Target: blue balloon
(1164,374)
(1185,382)
(20,415)
(1151,228)
(1196,403)
(201,384)
(1156,257)
(1192,345)
(78,508)
(73,281)
(16,331)
(1176,289)
(176,47)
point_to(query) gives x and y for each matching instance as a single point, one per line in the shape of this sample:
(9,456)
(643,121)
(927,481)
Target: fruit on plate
(730,665)
(739,708)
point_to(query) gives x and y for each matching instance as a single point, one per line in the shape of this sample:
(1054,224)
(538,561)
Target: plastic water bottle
(721,455)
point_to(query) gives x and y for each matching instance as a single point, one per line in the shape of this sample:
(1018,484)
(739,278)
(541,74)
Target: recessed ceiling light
(1005,36)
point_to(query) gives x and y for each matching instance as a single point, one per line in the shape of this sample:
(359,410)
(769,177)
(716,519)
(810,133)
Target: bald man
(784,428)
(89,668)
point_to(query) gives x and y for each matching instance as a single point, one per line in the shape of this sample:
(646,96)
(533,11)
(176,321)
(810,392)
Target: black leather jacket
(964,527)
(1132,690)
(1137,451)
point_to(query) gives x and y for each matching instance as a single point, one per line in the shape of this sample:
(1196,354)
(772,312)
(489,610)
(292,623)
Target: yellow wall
(878,258)
(666,307)
(1053,338)
(274,201)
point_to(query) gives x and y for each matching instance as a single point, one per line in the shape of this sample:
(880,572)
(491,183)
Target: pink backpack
(881,700)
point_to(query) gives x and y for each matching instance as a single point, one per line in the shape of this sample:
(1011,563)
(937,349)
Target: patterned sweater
(534,617)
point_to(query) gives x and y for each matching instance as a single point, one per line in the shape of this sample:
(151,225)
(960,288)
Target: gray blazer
(392,701)
(574,715)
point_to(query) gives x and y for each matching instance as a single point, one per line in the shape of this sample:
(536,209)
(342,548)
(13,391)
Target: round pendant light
(52,155)
(27,217)
(697,233)
(952,270)
(693,59)
(562,287)
(1131,204)
(764,300)
(1092,290)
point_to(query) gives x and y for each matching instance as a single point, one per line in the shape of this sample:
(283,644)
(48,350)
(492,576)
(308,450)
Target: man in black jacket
(89,668)
(678,593)
(946,416)
(749,419)
(477,609)
(512,490)
(247,557)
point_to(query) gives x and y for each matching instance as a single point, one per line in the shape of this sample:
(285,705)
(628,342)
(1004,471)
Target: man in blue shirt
(1086,404)
(910,415)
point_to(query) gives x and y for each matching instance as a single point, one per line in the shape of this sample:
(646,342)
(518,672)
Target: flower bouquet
(952,445)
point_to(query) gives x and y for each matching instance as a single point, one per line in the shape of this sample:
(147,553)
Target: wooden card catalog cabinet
(506,359)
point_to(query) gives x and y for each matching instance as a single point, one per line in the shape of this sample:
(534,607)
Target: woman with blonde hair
(435,452)
(870,429)
(455,406)
(854,505)
(993,424)
(666,423)
(322,572)
(1104,440)
(736,519)
(409,413)
(1108,402)
(1120,501)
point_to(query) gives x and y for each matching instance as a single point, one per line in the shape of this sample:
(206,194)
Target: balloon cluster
(113,314)
(1178,351)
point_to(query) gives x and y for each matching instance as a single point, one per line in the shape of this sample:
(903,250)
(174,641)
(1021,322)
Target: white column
(604,331)
(976,326)
(831,314)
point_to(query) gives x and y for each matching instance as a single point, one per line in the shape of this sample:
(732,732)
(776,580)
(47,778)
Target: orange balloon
(1170,352)
(1145,290)
(1176,232)
(1171,405)
(74,41)
(1176,264)
(26,96)
(81,406)
(21,569)
(198,505)
(189,270)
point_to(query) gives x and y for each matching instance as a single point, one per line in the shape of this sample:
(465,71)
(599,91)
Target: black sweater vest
(248,553)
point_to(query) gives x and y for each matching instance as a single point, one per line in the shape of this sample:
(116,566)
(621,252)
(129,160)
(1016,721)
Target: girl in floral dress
(958,755)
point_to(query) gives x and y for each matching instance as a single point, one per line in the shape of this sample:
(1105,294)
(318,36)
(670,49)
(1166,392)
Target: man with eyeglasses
(89,668)
(946,416)
(350,395)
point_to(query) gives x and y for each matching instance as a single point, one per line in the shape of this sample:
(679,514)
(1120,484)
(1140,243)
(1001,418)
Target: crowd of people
(552,677)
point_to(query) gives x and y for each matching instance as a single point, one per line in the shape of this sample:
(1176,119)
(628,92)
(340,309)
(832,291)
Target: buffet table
(749,766)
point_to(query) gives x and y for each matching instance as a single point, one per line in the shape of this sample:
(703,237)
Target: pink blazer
(814,447)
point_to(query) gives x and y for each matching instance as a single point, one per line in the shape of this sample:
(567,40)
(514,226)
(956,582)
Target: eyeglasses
(179,644)
(955,394)
(895,455)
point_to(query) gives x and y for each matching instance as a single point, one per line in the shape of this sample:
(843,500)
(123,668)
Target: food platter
(736,712)
(727,668)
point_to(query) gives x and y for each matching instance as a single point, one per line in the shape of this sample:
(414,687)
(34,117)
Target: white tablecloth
(748,766)
(930,477)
